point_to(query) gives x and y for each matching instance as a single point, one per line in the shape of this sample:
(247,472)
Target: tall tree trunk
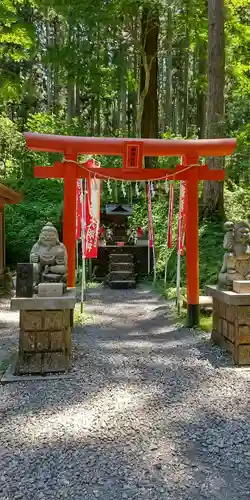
(56,86)
(186,78)
(98,90)
(49,44)
(148,105)
(161,92)
(212,196)
(169,62)
(70,82)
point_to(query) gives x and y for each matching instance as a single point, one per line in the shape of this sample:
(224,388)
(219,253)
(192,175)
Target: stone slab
(50,290)
(122,284)
(24,280)
(241,287)
(67,301)
(9,377)
(205,301)
(228,297)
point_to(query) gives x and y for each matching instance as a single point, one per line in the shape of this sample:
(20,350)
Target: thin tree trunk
(77,98)
(123,93)
(212,196)
(200,88)
(107,114)
(175,117)
(92,116)
(132,100)
(178,106)
(49,68)
(70,100)
(77,84)
(134,96)
(98,113)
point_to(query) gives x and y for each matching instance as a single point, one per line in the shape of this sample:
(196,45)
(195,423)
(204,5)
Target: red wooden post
(192,243)
(69,215)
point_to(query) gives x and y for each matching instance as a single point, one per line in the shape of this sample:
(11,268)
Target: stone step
(121,275)
(121,257)
(205,302)
(121,266)
(122,284)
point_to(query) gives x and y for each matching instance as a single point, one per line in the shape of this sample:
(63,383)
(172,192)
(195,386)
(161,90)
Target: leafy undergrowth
(205,323)
(169,293)
(80,318)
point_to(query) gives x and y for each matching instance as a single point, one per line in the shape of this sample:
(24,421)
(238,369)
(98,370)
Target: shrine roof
(118,209)
(9,196)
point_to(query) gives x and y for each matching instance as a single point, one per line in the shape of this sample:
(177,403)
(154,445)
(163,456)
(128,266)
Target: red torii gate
(133,151)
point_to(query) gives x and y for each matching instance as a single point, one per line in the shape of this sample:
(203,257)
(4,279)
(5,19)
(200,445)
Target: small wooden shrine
(120,251)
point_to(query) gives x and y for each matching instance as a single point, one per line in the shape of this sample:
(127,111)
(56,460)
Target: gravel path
(151,412)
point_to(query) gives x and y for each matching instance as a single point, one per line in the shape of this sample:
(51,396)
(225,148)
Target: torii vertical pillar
(69,214)
(192,243)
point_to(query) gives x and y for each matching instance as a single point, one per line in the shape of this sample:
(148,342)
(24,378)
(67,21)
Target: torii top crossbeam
(133,151)
(115,146)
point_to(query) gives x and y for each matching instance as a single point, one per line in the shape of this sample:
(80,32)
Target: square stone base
(45,342)
(231,323)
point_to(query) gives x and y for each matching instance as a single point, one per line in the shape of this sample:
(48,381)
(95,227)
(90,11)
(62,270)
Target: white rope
(102,176)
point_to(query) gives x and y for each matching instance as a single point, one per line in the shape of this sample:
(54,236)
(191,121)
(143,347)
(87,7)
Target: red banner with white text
(182,218)
(92,210)
(150,220)
(170,215)
(79,208)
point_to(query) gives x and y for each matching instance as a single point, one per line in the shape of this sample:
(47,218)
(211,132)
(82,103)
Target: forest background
(125,68)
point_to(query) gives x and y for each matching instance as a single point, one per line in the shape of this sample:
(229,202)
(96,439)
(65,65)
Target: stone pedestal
(45,333)
(231,323)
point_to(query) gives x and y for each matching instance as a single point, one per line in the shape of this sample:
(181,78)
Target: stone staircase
(121,271)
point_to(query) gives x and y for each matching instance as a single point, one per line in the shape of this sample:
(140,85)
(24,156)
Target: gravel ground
(9,321)
(152,412)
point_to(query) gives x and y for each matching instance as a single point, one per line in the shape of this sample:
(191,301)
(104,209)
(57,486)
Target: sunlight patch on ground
(9,317)
(88,418)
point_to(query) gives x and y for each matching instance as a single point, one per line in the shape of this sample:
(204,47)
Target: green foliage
(12,148)
(42,203)
(211,236)
(237,203)
(16,43)
(211,252)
